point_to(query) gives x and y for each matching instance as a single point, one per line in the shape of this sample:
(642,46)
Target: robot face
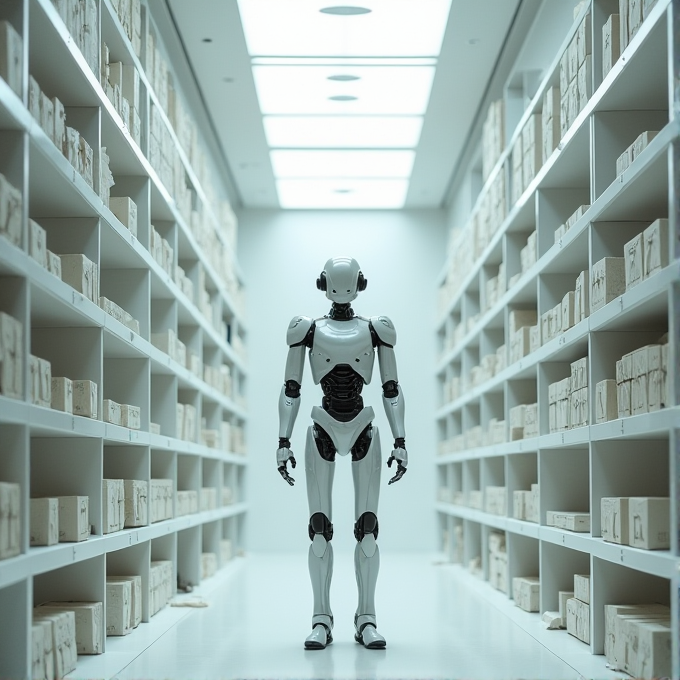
(342,279)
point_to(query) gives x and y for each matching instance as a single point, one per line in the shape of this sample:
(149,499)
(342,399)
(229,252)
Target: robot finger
(284,473)
(401,471)
(390,460)
(292,461)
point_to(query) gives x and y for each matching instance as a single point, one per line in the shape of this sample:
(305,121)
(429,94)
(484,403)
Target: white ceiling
(474,37)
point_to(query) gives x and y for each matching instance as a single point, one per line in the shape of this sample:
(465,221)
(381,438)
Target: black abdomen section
(342,393)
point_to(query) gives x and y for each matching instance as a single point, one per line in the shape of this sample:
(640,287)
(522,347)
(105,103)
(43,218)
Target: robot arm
(393,400)
(299,335)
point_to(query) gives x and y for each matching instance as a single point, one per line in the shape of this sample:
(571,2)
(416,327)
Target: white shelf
(49,452)
(575,469)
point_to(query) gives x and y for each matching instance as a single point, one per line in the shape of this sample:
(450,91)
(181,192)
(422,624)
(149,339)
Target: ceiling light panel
(353,132)
(385,194)
(346,164)
(389,90)
(299,28)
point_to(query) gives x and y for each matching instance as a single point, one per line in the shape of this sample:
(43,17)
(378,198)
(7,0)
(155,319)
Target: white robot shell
(341,279)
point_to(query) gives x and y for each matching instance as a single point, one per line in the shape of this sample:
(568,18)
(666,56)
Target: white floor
(439,623)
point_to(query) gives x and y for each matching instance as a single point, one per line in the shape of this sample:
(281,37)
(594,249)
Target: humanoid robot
(342,350)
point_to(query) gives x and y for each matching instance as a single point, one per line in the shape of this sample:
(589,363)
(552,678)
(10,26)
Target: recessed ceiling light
(343,98)
(345,10)
(343,78)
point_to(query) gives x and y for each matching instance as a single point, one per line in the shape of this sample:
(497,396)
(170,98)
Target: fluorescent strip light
(390,90)
(386,194)
(353,132)
(346,164)
(344,61)
(411,28)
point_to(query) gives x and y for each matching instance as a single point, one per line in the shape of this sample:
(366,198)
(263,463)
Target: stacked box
(89,623)
(534,338)
(181,353)
(208,564)
(11,357)
(616,641)
(166,342)
(179,421)
(606,406)
(531,421)
(40,384)
(160,585)
(113,504)
(607,281)
(119,314)
(38,671)
(130,416)
(135,597)
(44,520)
(517,170)
(578,398)
(82,274)
(655,247)
(633,253)
(624,161)
(85,398)
(59,628)
(568,319)
(498,561)
(493,137)
(529,254)
(226,550)
(571,521)
(10,520)
(649,523)
(11,56)
(227,495)
(208,499)
(581,297)
(118,607)
(578,609)
(526,592)
(160,500)
(111,412)
(495,500)
(520,500)
(62,394)
(154,428)
(624,375)
(11,207)
(532,149)
(74,518)
(611,43)
(496,432)
(550,122)
(189,426)
(37,243)
(517,415)
(187,502)
(576,75)
(136,503)
(614,520)
(559,411)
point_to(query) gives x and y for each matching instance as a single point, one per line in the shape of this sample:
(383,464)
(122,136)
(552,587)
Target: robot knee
(366,524)
(320,524)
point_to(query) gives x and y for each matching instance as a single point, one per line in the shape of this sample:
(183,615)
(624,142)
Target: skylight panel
(386,194)
(345,164)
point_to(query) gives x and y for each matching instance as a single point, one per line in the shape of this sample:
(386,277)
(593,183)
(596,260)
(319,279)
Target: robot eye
(335,291)
(348,290)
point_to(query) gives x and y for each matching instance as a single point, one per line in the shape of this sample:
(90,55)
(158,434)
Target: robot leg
(366,466)
(319,474)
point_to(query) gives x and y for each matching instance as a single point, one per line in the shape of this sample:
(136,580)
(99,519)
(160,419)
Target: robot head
(341,279)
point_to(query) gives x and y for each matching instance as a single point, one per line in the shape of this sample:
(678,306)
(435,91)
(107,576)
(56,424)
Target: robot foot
(319,637)
(371,638)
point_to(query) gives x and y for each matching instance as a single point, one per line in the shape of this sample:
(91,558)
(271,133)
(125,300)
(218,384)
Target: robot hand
(283,455)
(399,454)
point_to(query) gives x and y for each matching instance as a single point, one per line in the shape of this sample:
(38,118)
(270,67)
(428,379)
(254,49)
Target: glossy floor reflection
(436,623)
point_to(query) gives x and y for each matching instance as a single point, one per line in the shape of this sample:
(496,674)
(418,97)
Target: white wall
(281,254)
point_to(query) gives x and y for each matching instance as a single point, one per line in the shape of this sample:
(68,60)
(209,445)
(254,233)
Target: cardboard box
(135,596)
(11,357)
(62,394)
(89,623)
(11,219)
(11,57)
(61,627)
(623,398)
(85,398)
(125,209)
(37,243)
(611,43)
(519,318)
(656,247)
(608,281)
(633,253)
(118,607)
(111,412)
(54,264)
(113,505)
(44,521)
(226,550)
(585,82)
(59,134)
(136,503)
(614,520)
(568,319)
(606,405)
(579,374)
(571,521)
(131,416)
(161,500)
(578,619)
(581,297)
(40,383)
(81,273)
(10,520)
(208,564)
(648,648)
(649,523)
(38,652)
(526,592)
(74,518)
(562,597)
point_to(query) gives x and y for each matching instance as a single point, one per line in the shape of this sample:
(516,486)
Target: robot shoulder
(298,330)
(384,329)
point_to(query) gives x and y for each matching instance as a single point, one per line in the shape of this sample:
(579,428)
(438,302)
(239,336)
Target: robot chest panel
(341,342)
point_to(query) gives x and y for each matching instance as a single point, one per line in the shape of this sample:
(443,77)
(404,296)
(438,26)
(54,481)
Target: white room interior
(474,238)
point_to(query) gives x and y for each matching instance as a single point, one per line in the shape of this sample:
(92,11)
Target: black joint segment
(308,340)
(400,443)
(320,524)
(292,389)
(366,524)
(284,443)
(391,389)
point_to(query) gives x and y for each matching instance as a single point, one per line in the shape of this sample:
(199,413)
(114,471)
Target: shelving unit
(574,468)
(50,452)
